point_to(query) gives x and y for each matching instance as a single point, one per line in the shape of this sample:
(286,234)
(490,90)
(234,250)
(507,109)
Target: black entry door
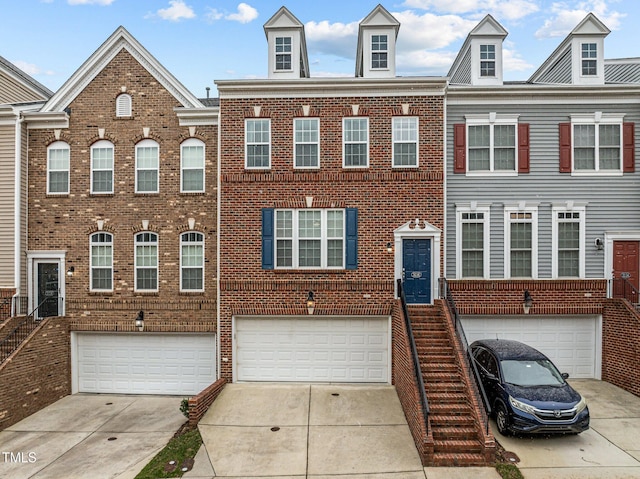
(48,290)
(416,265)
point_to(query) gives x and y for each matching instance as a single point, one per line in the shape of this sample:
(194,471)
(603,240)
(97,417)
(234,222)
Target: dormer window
(283,53)
(589,59)
(379,51)
(487,60)
(123,105)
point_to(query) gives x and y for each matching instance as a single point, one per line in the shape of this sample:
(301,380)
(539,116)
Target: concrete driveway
(609,449)
(89,435)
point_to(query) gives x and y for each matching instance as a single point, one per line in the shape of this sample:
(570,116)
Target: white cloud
(176,12)
(332,38)
(213,14)
(31,69)
(424,62)
(89,2)
(566,18)
(429,31)
(513,62)
(507,9)
(246,13)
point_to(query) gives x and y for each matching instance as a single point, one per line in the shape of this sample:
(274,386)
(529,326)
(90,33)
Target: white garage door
(353,349)
(144,363)
(569,341)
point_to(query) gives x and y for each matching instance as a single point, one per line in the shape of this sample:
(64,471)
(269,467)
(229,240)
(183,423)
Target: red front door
(625,264)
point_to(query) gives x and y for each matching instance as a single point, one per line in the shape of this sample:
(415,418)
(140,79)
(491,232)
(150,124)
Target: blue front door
(416,267)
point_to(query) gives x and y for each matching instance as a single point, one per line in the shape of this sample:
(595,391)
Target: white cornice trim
(331,87)
(197,116)
(47,120)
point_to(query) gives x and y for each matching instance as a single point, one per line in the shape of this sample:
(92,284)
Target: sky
(200,41)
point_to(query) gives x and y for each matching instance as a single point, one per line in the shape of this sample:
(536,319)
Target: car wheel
(502,420)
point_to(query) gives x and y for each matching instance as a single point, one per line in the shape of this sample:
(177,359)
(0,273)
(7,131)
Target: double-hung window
(147,167)
(379,52)
(521,242)
(146,261)
(568,241)
(310,238)
(589,54)
(405,141)
(355,142)
(102,167)
(192,261)
(257,143)
(597,143)
(472,258)
(58,168)
(306,137)
(283,53)
(101,262)
(192,166)
(487,60)
(492,144)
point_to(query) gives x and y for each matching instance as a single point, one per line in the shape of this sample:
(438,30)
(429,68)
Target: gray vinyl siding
(12,91)
(462,76)
(560,72)
(7,220)
(613,203)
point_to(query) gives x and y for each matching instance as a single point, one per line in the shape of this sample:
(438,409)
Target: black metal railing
(469,363)
(5,309)
(22,331)
(20,306)
(623,288)
(414,353)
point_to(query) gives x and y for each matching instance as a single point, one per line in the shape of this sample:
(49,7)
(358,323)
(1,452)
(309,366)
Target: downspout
(445,225)
(219,201)
(17,215)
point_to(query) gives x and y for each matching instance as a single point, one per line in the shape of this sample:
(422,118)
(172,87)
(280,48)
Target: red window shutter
(459,148)
(523,148)
(628,147)
(565,147)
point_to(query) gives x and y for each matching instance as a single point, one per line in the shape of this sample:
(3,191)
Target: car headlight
(581,405)
(522,406)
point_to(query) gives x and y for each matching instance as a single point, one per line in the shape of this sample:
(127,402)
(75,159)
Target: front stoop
(458,437)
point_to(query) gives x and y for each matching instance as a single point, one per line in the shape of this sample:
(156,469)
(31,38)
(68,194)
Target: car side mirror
(565,375)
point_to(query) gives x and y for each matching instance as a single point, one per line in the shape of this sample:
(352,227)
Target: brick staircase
(457,432)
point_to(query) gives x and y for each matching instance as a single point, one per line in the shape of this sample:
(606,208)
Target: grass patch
(509,471)
(183,446)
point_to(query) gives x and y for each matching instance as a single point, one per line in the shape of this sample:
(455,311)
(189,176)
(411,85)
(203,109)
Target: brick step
(450,409)
(441,377)
(430,335)
(443,459)
(429,366)
(435,350)
(442,433)
(446,397)
(430,356)
(446,420)
(444,387)
(469,446)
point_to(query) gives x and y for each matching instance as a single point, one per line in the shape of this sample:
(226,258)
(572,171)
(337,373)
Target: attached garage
(143,363)
(573,343)
(312,349)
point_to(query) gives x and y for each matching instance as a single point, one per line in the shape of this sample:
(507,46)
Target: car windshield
(539,372)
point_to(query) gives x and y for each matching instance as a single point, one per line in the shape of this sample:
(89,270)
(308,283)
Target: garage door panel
(145,364)
(570,342)
(307,350)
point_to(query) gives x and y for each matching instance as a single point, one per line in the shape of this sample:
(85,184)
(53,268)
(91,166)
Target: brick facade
(385,197)
(620,345)
(65,222)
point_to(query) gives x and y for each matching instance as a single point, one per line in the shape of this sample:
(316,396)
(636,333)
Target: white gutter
(17,225)
(219,201)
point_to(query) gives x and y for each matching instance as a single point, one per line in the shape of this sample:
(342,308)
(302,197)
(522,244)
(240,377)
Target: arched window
(191,261)
(102,167)
(58,168)
(101,261)
(146,253)
(192,166)
(123,105)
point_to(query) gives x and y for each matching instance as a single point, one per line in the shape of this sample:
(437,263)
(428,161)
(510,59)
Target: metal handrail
(21,332)
(476,385)
(629,291)
(414,354)
(5,302)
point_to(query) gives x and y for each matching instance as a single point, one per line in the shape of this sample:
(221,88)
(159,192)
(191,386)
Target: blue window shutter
(267,238)
(352,238)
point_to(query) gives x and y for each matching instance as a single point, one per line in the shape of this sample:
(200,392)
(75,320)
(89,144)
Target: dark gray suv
(526,391)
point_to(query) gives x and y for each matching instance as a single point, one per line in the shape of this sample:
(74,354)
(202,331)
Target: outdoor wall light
(389,248)
(70,271)
(528,302)
(311,302)
(599,244)
(140,321)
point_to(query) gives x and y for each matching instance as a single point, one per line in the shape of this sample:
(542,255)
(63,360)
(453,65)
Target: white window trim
(492,119)
(203,262)
(246,144)
(494,60)
(123,110)
(135,261)
(379,51)
(276,53)
(193,142)
(58,145)
(486,232)
(597,118)
(344,142)
(103,144)
(568,208)
(393,142)
(583,59)
(91,244)
(147,144)
(523,208)
(295,143)
(295,239)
